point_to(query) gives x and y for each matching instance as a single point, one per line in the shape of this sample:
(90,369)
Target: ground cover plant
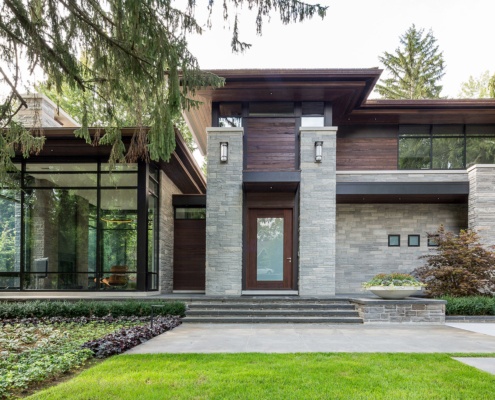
(37,345)
(277,376)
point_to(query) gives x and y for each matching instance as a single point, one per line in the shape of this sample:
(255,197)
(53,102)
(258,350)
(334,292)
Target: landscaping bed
(36,344)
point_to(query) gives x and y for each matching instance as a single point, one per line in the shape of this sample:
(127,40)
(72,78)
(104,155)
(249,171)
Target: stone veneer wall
(482,201)
(317,213)
(362,238)
(408,311)
(224,214)
(166,238)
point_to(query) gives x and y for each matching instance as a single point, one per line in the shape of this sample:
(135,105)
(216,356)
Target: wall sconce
(224,151)
(318,151)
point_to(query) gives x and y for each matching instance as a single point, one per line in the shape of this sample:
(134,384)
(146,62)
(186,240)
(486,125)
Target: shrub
(474,305)
(83,308)
(460,266)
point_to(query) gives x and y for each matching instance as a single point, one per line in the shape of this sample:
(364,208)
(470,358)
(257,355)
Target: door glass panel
(270,249)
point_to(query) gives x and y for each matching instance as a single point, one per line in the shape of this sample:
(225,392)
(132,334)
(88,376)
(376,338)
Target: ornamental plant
(459,266)
(392,280)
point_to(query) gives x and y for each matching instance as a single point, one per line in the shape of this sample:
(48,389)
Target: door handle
(289,259)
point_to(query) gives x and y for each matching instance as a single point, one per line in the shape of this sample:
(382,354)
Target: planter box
(394,292)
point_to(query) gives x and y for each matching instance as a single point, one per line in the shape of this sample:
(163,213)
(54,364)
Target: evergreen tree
(137,62)
(414,69)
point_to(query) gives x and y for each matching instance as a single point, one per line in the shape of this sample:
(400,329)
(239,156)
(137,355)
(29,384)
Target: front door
(269,255)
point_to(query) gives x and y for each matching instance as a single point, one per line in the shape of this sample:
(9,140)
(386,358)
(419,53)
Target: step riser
(274,320)
(273,306)
(271,313)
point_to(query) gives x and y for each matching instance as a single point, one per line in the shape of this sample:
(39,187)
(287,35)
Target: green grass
(277,376)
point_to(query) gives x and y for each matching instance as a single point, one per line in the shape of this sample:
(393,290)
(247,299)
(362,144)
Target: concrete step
(271,312)
(271,305)
(250,320)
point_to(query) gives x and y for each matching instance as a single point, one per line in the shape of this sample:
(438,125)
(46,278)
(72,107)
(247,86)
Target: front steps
(272,310)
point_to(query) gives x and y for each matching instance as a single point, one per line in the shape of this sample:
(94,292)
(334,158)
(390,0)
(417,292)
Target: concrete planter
(394,292)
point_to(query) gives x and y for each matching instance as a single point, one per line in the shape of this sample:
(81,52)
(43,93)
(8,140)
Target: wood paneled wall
(271,144)
(366,153)
(189,254)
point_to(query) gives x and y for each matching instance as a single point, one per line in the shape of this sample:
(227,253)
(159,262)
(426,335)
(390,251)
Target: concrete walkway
(292,338)
(289,338)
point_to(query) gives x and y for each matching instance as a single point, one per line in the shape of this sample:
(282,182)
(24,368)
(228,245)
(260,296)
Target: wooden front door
(269,255)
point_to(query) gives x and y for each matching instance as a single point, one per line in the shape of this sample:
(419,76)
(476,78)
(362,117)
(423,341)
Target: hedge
(85,308)
(473,305)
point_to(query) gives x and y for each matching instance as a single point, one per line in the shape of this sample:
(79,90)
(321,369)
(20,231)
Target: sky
(354,33)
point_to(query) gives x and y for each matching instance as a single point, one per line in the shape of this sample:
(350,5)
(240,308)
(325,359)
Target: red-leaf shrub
(460,266)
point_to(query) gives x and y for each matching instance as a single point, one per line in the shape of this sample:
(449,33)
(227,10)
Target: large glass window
(74,226)
(445,146)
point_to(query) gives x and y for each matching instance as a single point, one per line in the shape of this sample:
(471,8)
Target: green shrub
(474,305)
(84,308)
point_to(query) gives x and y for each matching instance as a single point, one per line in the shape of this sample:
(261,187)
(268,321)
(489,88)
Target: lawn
(277,376)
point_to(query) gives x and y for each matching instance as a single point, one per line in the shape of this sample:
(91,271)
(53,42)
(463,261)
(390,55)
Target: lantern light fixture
(318,151)
(224,151)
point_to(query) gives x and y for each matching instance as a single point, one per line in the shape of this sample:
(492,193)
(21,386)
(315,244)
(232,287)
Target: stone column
(224,214)
(317,214)
(481,204)
(166,232)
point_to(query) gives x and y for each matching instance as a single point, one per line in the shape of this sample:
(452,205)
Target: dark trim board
(189,200)
(403,188)
(254,181)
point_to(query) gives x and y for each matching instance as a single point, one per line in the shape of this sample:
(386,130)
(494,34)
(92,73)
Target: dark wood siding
(189,254)
(271,144)
(366,154)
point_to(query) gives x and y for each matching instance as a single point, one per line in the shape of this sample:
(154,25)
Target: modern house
(312,188)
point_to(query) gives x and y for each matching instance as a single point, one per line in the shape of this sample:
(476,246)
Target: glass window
(433,240)
(152,243)
(447,130)
(448,152)
(313,108)
(10,238)
(230,122)
(414,153)
(271,108)
(312,122)
(270,249)
(393,240)
(480,150)
(190,213)
(60,239)
(413,240)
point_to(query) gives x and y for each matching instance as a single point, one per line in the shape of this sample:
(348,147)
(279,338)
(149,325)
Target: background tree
(460,266)
(136,58)
(477,88)
(414,69)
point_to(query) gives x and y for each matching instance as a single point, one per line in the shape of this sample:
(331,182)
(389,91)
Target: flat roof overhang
(434,111)
(182,168)
(402,192)
(344,88)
